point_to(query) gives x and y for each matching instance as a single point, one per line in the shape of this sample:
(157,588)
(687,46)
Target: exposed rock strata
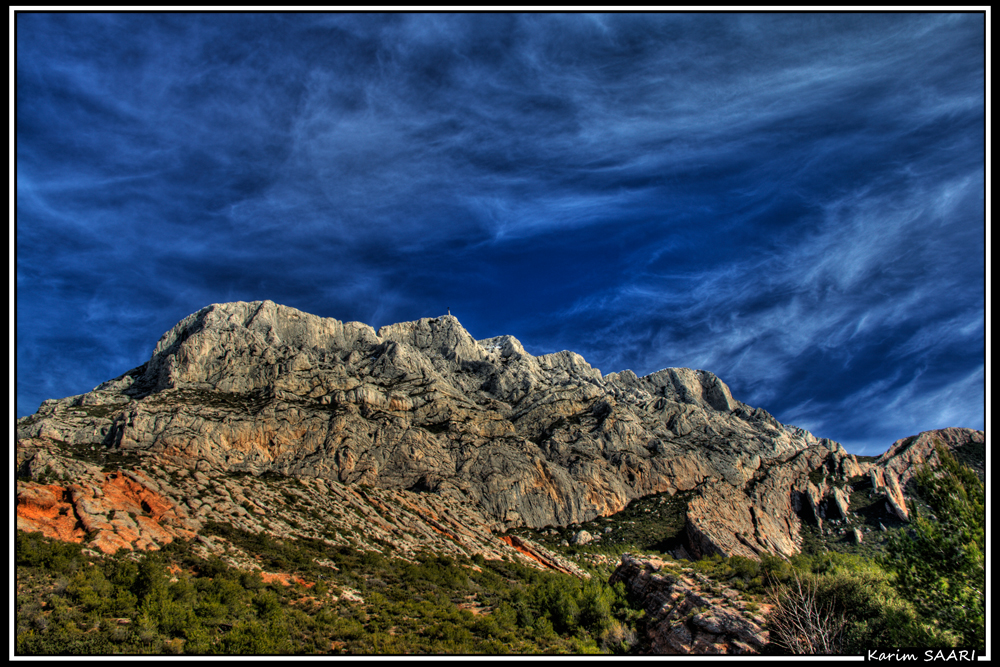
(542,556)
(762,515)
(148,507)
(905,457)
(884,481)
(684,616)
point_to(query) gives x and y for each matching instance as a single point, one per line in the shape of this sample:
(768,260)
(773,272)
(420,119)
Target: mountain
(416,437)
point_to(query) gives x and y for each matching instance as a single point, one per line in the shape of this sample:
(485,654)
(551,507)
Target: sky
(793,201)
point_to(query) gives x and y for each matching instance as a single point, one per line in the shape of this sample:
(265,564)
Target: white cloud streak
(755,194)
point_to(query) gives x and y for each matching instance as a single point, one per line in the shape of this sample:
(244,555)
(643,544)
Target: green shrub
(940,565)
(37,551)
(252,637)
(745,568)
(775,569)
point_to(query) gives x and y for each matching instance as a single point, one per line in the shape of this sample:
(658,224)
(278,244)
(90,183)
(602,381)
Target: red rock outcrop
(46,508)
(115,510)
(542,556)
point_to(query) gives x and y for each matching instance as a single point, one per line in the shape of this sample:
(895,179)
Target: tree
(940,564)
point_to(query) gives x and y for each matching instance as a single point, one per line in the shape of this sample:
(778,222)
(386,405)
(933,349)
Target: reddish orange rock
(119,511)
(48,510)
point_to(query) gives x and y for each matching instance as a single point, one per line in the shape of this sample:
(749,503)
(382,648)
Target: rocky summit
(417,436)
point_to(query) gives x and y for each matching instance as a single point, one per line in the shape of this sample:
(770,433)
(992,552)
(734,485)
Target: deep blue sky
(794,202)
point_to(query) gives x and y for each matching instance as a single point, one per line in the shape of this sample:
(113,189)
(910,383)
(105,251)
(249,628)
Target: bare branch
(800,624)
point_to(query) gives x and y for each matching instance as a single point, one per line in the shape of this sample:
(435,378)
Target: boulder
(682,619)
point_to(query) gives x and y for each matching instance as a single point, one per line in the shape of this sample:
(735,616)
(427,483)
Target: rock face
(685,618)
(884,481)
(902,460)
(761,516)
(421,419)
(148,506)
(898,465)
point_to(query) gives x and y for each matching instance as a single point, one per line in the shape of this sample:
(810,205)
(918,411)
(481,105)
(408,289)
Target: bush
(775,569)
(745,568)
(804,622)
(871,612)
(36,550)
(254,638)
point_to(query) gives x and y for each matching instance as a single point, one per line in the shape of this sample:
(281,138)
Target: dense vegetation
(912,585)
(941,563)
(176,602)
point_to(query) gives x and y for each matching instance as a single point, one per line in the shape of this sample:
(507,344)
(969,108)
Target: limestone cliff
(424,416)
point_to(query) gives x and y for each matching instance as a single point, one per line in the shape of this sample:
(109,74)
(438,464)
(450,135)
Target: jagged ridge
(424,407)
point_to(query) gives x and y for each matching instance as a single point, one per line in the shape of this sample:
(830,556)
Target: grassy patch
(651,524)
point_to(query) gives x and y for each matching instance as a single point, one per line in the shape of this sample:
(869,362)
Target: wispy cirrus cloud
(870,292)
(793,201)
